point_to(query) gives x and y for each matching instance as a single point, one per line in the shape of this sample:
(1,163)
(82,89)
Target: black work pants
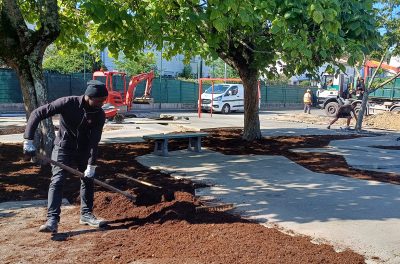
(70,159)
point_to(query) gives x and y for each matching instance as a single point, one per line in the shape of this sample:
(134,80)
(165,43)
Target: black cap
(96,89)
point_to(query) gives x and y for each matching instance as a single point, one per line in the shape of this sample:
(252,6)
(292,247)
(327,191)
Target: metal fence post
(180,91)
(70,84)
(284,97)
(167,90)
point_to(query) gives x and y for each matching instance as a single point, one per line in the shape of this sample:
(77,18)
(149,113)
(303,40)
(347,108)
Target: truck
(336,88)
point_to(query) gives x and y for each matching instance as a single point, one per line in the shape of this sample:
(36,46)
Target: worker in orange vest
(307,99)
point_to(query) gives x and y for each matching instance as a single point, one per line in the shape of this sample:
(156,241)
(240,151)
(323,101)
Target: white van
(226,98)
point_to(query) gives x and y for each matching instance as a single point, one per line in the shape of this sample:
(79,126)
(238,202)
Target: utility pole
(161,68)
(84,66)
(225,71)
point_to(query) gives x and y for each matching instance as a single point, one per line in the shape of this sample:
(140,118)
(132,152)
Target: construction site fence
(163,90)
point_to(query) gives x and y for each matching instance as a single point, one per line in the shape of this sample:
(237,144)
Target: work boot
(51,226)
(328,127)
(91,220)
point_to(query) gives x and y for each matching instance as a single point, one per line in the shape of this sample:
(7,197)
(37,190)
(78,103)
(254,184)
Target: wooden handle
(80,174)
(138,181)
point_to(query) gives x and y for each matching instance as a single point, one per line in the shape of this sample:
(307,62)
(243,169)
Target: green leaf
(215,14)
(342,68)
(220,25)
(288,15)
(307,53)
(318,17)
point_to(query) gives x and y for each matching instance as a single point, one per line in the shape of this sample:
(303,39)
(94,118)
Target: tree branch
(363,63)
(12,13)
(376,71)
(385,82)
(251,49)
(50,21)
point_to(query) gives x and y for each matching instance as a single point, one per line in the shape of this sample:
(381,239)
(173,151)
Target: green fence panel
(284,94)
(189,92)
(58,85)
(10,91)
(163,91)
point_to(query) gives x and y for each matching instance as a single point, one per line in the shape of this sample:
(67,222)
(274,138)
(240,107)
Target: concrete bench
(161,141)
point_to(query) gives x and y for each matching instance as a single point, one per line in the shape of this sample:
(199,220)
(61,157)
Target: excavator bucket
(143,100)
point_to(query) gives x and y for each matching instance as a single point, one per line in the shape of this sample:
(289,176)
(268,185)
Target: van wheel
(395,109)
(226,109)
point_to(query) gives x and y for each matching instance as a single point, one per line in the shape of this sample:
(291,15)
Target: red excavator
(118,103)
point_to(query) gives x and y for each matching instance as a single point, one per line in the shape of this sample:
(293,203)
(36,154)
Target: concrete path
(133,129)
(347,213)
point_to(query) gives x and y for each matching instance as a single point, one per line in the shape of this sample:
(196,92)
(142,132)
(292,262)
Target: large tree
(249,35)
(23,48)
(27,28)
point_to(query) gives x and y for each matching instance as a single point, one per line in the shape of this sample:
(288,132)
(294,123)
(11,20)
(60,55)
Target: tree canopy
(249,35)
(304,34)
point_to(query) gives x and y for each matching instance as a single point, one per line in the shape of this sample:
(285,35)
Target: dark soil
(12,130)
(163,224)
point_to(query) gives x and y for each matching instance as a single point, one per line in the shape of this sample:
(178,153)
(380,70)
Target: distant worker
(360,89)
(81,125)
(307,99)
(344,111)
(329,84)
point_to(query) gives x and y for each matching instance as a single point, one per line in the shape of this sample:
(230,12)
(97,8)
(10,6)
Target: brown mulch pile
(12,130)
(163,225)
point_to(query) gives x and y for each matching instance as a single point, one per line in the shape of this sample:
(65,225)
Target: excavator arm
(374,64)
(133,83)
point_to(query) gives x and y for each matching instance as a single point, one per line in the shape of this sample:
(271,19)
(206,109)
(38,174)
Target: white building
(168,68)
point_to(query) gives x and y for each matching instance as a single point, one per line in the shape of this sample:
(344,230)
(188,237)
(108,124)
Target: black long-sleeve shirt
(80,125)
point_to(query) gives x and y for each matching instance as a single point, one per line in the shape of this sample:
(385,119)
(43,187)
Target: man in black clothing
(360,89)
(344,111)
(81,124)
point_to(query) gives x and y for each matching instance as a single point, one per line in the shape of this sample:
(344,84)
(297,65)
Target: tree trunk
(251,129)
(23,49)
(34,94)
(363,110)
